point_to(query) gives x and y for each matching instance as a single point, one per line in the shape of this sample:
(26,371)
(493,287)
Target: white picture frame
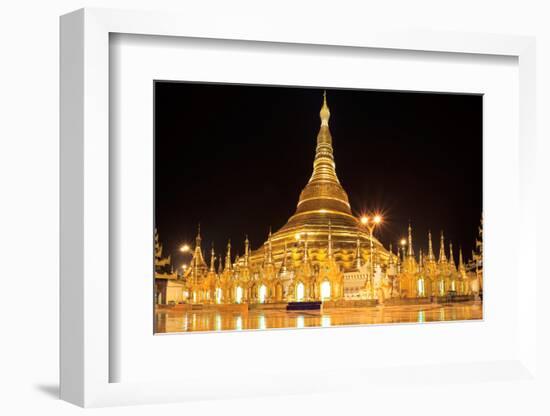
(85,214)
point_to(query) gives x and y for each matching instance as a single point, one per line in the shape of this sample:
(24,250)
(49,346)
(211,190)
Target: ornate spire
(220,266)
(442,256)
(390,258)
(451,257)
(325,112)
(329,239)
(323,190)
(431,256)
(198,238)
(410,251)
(198,259)
(228,256)
(323,165)
(212,260)
(246,250)
(358,263)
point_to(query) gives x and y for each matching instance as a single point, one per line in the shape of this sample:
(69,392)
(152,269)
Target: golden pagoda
(325,253)
(323,201)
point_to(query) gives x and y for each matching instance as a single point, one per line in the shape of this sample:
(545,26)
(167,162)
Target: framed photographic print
(228,156)
(297,211)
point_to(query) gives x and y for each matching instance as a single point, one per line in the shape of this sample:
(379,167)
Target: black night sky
(235,159)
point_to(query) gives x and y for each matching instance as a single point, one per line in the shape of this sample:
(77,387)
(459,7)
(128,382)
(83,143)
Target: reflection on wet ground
(215,320)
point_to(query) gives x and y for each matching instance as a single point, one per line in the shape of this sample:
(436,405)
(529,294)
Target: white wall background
(29,116)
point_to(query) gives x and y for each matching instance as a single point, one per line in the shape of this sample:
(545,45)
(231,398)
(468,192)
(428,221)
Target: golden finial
(325,112)
(451,256)
(442,256)
(220,265)
(228,256)
(431,255)
(246,250)
(198,239)
(212,259)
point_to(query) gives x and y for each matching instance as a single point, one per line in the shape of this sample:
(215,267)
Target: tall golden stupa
(323,203)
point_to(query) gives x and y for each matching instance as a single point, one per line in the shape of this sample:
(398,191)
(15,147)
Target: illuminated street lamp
(183,269)
(370,224)
(185,248)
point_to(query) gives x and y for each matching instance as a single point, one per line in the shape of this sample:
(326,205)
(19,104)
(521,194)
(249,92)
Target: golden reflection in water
(218,320)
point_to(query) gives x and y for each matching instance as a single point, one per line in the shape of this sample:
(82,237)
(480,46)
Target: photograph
(261,208)
(285,207)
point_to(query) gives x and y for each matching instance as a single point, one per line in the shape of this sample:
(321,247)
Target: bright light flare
(377,219)
(185,248)
(364,220)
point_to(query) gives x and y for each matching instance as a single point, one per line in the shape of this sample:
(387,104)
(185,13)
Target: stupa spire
(410,251)
(451,256)
(431,256)
(228,256)
(198,259)
(442,256)
(323,195)
(220,265)
(212,259)
(323,165)
(325,112)
(246,250)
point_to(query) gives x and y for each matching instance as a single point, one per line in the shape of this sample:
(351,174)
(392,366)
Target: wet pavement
(215,320)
